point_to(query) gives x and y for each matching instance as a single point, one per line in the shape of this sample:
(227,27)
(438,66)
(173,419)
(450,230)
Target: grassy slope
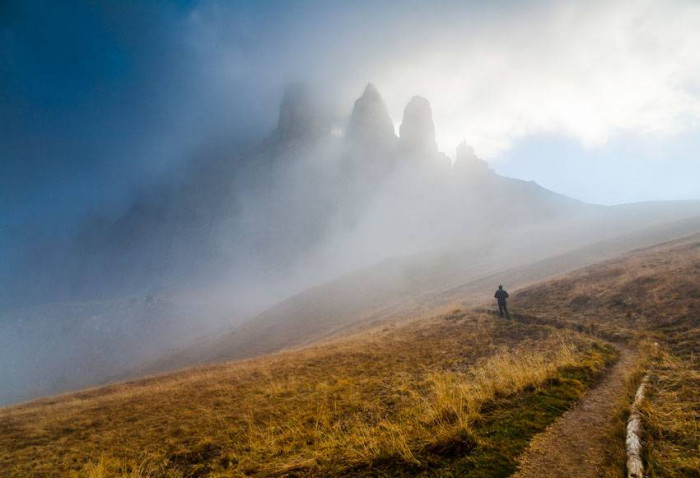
(462,391)
(403,288)
(652,296)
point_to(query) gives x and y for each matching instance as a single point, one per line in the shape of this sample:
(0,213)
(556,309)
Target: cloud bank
(494,73)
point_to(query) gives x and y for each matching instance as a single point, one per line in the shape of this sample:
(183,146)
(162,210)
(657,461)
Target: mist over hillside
(330,238)
(314,185)
(246,226)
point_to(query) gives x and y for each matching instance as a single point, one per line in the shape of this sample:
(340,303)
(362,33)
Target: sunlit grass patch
(672,418)
(647,297)
(395,400)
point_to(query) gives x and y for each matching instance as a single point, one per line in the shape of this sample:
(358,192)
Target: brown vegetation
(652,297)
(393,398)
(577,443)
(461,392)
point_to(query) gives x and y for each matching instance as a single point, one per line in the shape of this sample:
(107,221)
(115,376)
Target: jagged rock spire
(417,132)
(370,121)
(465,153)
(300,116)
(467,160)
(370,140)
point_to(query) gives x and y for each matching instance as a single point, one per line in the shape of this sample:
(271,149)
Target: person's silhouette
(501,295)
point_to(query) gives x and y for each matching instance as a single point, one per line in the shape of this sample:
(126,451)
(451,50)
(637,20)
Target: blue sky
(98,100)
(626,169)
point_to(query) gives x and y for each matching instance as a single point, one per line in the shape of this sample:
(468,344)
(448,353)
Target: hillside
(650,295)
(244,226)
(325,225)
(268,208)
(71,345)
(353,239)
(652,290)
(401,400)
(457,392)
(405,287)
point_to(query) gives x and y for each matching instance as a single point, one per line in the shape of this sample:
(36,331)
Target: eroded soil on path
(575,444)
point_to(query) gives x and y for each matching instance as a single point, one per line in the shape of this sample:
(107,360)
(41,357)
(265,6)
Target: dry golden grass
(655,291)
(672,418)
(615,465)
(398,394)
(460,396)
(649,297)
(387,394)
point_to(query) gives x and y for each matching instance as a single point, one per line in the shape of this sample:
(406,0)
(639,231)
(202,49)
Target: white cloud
(493,71)
(589,71)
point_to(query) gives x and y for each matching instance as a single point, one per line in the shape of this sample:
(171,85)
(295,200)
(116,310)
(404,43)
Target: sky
(599,100)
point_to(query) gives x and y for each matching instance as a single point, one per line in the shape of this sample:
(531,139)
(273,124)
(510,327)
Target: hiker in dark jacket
(501,296)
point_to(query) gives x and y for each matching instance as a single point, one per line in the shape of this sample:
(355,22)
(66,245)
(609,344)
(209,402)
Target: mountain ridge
(307,205)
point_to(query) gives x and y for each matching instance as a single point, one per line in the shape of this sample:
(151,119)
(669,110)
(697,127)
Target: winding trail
(574,445)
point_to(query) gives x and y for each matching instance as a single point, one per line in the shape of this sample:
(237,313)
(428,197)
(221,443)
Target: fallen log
(633,441)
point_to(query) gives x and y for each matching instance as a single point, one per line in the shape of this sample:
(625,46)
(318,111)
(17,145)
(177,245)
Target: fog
(224,157)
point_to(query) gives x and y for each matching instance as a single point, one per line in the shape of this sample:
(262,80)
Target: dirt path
(574,445)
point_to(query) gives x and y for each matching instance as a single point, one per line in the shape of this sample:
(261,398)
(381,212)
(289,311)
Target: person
(501,295)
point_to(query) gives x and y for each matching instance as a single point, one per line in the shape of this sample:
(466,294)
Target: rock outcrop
(468,163)
(370,124)
(300,118)
(417,131)
(370,142)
